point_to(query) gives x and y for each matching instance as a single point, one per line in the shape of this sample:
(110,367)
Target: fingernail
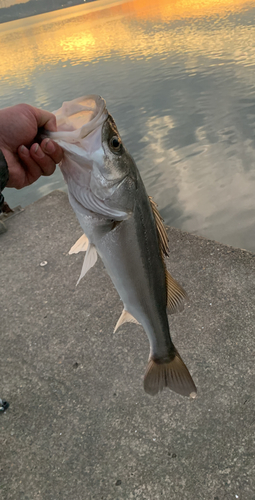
(38,151)
(24,150)
(49,146)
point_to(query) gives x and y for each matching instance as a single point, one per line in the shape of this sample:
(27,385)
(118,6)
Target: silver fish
(122,224)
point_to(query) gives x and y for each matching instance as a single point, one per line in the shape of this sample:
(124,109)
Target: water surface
(179,79)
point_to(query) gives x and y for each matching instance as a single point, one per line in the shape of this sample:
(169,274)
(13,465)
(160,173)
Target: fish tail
(171,373)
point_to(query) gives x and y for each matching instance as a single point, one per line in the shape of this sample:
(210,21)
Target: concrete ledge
(79,424)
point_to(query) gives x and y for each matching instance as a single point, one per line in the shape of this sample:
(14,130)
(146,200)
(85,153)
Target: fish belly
(137,273)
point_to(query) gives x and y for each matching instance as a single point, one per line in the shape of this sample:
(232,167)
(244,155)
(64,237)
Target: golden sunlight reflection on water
(179,78)
(109,32)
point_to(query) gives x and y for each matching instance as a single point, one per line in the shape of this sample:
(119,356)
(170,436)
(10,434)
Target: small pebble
(43,263)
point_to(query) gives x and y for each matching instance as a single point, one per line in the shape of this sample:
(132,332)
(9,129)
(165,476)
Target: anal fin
(125,317)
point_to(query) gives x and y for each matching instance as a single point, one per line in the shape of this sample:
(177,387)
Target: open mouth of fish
(78,118)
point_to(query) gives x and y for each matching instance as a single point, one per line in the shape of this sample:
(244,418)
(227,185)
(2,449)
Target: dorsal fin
(175,295)
(125,317)
(161,230)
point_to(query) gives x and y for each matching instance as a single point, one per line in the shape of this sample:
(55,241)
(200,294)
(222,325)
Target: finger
(32,171)
(46,164)
(52,149)
(45,119)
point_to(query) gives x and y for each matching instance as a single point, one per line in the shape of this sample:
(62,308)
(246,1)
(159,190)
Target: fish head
(99,171)
(115,170)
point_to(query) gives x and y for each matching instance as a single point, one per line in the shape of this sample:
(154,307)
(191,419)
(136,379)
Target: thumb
(45,119)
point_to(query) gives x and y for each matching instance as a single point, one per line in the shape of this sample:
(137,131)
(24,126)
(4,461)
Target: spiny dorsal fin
(162,234)
(175,295)
(80,245)
(125,317)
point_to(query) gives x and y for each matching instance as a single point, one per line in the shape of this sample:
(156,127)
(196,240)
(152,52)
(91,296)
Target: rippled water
(179,79)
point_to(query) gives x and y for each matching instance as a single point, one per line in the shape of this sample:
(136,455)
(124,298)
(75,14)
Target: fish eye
(115,144)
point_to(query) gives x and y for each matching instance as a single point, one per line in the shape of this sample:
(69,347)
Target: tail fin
(173,374)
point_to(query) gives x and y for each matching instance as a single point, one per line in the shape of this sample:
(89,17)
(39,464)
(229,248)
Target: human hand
(26,160)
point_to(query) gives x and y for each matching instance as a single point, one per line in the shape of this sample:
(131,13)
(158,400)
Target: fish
(122,225)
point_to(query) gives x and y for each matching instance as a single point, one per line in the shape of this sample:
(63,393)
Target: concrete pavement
(79,424)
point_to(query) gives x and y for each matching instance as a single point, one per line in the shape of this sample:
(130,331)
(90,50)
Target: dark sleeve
(4,176)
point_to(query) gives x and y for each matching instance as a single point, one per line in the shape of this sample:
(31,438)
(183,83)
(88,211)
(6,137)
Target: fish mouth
(78,118)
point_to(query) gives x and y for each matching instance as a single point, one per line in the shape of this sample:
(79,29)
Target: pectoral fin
(175,295)
(89,261)
(81,245)
(125,318)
